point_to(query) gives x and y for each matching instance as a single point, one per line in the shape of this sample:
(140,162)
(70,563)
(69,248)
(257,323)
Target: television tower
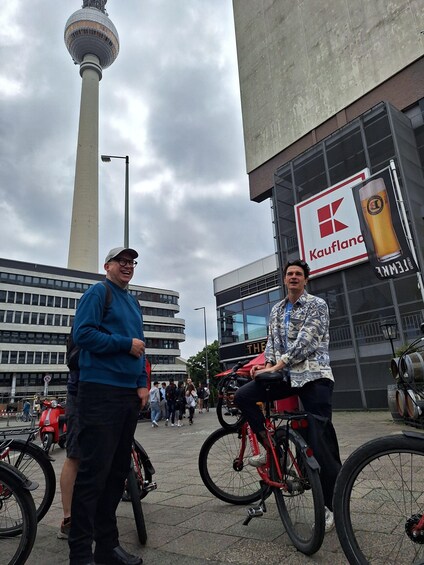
(93,42)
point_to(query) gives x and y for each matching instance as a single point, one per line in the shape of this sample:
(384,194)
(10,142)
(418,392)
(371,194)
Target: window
(30,357)
(18,317)
(43,300)
(25,317)
(5,357)
(9,316)
(34,299)
(19,298)
(10,297)
(27,298)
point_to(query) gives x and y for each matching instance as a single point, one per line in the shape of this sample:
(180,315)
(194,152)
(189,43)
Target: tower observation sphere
(89,31)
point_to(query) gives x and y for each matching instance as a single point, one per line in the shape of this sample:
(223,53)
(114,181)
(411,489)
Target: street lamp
(206,344)
(107,159)
(389,330)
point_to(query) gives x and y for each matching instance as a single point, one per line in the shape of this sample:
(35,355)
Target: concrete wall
(303,61)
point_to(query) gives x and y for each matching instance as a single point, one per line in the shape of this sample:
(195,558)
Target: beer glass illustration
(376,211)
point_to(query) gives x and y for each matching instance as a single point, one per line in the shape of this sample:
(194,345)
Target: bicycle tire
(229,416)
(134,493)
(301,503)
(379,488)
(16,506)
(32,461)
(235,483)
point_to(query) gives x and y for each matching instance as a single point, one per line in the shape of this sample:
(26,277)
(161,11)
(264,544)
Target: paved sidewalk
(186,524)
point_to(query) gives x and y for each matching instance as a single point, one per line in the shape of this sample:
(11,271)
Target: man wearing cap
(112,386)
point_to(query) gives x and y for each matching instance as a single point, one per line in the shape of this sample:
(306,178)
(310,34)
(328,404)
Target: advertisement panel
(328,228)
(381,226)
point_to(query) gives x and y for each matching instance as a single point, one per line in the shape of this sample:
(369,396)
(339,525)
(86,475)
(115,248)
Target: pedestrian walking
(154,397)
(191,401)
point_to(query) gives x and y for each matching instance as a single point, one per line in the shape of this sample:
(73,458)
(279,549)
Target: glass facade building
(358,302)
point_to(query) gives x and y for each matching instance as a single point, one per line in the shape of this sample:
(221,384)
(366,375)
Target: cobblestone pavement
(186,524)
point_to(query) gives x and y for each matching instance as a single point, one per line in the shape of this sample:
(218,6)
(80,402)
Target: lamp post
(389,330)
(206,344)
(107,159)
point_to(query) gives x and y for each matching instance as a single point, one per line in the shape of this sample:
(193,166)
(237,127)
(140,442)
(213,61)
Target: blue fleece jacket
(106,342)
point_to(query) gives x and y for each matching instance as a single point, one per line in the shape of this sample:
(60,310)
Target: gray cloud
(170,102)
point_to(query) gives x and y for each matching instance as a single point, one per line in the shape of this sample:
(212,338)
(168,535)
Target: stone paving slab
(186,525)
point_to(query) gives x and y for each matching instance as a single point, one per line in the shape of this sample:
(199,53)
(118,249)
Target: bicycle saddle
(282,376)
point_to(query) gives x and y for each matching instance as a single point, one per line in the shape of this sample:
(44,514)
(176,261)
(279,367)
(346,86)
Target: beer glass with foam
(376,211)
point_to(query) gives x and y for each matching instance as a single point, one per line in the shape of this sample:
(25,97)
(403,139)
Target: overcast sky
(171,102)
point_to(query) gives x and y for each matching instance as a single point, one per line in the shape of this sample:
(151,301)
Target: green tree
(196,366)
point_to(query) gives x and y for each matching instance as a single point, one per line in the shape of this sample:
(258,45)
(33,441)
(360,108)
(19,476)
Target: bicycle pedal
(255,511)
(147,487)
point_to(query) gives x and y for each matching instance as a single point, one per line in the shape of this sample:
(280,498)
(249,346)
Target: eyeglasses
(125,262)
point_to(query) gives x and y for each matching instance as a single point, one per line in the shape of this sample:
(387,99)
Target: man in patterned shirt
(297,348)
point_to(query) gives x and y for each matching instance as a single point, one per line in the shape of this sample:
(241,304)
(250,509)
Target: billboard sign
(328,228)
(382,228)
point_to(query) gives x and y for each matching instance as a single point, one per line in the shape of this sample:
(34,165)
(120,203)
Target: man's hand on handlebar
(258,369)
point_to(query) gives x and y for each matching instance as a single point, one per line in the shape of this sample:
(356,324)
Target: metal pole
(127,203)
(206,349)
(206,344)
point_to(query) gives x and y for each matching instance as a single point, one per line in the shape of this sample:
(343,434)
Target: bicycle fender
(145,458)
(414,435)
(19,476)
(310,459)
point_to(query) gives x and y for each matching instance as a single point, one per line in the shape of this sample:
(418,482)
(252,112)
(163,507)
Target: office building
(330,92)
(37,307)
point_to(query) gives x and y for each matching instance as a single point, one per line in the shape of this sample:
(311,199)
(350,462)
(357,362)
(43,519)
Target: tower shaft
(84,240)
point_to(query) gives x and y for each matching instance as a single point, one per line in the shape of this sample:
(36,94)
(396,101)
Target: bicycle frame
(293,421)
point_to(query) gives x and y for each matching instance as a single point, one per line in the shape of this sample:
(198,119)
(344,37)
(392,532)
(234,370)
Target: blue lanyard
(287,313)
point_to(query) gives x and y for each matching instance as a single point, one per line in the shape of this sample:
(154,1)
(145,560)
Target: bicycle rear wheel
(224,469)
(301,503)
(17,514)
(33,462)
(378,499)
(229,416)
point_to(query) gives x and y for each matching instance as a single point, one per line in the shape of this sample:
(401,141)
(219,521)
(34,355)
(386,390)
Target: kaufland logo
(328,228)
(327,222)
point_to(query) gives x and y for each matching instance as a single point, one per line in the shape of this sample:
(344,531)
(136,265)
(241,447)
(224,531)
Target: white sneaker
(257,460)
(329,520)
(179,425)
(166,422)
(155,424)
(172,425)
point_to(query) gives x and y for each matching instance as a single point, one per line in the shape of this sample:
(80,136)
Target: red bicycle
(289,471)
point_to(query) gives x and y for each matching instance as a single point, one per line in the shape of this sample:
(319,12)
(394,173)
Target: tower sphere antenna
(89,31)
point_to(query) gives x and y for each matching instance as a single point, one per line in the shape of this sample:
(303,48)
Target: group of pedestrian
(171,402)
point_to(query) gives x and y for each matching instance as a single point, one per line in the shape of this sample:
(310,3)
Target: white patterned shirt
(303,346)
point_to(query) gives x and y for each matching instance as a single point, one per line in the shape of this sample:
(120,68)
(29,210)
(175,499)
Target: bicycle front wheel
(134,493)
(33,462)
(224,468)
(17,514)
(378,499)
(300,501)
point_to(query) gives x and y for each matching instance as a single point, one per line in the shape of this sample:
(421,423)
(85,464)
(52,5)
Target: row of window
(74,286)
(13,297)
(33,338)
(32,357)
(35,318)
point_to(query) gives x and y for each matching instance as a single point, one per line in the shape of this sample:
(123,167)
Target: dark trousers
(171,410)
(316,397)
(108,418)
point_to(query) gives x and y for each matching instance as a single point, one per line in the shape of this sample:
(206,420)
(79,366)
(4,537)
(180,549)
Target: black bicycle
(139,484)
(378,497)
(229,416)
(33,462)
(18,519)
